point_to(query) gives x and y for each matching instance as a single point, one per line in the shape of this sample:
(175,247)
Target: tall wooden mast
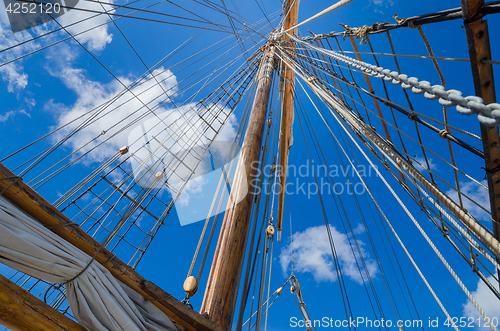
(222,287)
(291,11)
(478,41)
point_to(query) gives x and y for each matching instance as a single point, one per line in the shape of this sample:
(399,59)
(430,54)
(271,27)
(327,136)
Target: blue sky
(47,89)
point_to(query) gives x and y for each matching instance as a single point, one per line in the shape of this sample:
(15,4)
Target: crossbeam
(32,203)
(22,311)
(492,7)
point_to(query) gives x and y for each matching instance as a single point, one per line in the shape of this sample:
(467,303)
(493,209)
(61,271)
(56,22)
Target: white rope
(465,218)
(378,207)
(487,114)
(484,237)
(436,250)
(429,241)
(469,238)
(324,12)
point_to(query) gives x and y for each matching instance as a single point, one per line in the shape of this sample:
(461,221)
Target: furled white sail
(98,301)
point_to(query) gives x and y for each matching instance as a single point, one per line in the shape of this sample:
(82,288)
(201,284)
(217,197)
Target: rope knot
(413,25)
(362,32)
(490,171)
(347,31)
(443,133)
(412,116)
(398,20)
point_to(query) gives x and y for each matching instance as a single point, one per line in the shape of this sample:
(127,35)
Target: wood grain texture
(478,41)
(20,310)
(35,205)
(288,78)
(222,288)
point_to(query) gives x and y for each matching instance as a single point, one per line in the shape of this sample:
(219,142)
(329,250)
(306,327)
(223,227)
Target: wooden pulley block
(270,230)
(191,285)
(124,150)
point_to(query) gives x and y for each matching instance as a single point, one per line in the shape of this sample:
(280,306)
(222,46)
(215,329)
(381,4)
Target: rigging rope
(487,114)
(492,7)
(390,225)
(350,233)
(409,113)
(458,280)
(454,168)
(333,7)
(438,253)
(491,243)
(385,148)
(390,156)
(106,104)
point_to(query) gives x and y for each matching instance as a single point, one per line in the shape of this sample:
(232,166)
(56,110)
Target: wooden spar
(20,310)
(33,204)
(291,10)
(222,288)
(478,40)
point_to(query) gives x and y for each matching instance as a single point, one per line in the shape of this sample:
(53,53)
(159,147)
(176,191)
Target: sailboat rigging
(243,132)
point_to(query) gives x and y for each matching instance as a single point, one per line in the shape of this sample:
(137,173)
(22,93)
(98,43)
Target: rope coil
(443,133)
(362,32)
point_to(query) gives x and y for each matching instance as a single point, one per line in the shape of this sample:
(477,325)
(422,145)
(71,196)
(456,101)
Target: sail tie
(363,31)
(490,171)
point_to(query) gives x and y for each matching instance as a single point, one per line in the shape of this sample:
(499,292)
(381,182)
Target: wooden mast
(291,10)
(222,288)
(14,301)
(478,41)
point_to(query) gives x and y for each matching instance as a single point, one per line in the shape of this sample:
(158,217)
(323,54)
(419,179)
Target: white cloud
(97,38)
(312,254)
(193,186)
(384,3)
(477,193)
(421,165)
(13,73)
(378,5)
(91,94)
(359,229)
(132,116)
(219,152)
(7,115)
(488,302)
(94,40)
(28,102)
